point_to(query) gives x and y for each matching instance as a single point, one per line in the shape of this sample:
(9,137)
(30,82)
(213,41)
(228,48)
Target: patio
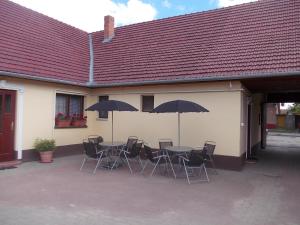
(58,193)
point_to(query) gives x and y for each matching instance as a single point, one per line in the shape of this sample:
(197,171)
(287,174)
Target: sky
(88,14)
(286,105)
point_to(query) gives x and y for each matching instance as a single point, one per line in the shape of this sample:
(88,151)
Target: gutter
(205,79)
(30,77)
(155,82)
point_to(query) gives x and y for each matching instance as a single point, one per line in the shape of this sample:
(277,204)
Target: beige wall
(39,112)
(221,124)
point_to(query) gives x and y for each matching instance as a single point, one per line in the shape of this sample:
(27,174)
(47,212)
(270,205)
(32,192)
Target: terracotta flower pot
(78,123)
(46,157)
(63,123)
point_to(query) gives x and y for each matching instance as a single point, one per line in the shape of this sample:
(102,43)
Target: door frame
(263,142)
(19,110)
(249,129)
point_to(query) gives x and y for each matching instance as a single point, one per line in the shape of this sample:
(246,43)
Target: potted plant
(61,120)
(78,120)
(45,147)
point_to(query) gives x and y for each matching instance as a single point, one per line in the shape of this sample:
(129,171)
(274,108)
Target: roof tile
(37,45)
(248,39)
(251,39)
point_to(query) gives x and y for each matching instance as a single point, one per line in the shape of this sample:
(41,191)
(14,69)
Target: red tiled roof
(253,39)
(39,46)
(245,40)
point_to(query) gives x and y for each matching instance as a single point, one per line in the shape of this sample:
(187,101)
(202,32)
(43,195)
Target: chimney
(109,28)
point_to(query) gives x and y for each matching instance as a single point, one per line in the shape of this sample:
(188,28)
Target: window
(7,103)
(69,105)
(103,114)
(147,103)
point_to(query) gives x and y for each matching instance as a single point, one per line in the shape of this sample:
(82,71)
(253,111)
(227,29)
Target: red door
(7,124)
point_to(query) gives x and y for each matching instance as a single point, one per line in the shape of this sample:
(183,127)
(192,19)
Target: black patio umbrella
(179,106)
(111,105)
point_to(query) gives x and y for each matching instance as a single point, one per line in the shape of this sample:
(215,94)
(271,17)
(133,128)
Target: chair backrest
(95,139)
(195,158)
(138,146)
(163,143)
(90,149)
(131,141)
(148,152)
(209,147)
(136,149)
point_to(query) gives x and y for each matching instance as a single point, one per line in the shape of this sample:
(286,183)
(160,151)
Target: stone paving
(265,193)
(289,140)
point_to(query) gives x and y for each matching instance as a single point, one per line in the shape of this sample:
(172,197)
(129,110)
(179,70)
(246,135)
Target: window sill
(71,127)
(102,119)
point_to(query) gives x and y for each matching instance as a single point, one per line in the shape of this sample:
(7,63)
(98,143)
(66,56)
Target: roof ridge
(188,14)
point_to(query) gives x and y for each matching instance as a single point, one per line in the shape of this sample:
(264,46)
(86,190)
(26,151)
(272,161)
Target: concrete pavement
(265,193)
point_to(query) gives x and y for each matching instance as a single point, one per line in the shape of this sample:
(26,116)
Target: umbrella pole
(112,126)
(178,129)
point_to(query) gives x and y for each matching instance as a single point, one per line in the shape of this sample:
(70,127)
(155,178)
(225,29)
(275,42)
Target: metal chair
(92,152)
(163,144)
(96,139)
(132,153)
(125,151)
(208,152)
(193,162)
(131,142)
(154,157)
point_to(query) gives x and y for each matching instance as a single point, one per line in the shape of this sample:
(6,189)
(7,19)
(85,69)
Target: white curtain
(75,105)
(61,104)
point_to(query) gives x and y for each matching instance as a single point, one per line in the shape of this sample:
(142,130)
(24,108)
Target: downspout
(91,70)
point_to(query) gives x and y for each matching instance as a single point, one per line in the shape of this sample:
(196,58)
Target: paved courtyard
(265,193)
(287,140)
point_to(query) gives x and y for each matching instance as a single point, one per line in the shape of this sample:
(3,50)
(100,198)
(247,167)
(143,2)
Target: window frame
(68,103)
(142,103)
(67,109)
(106,97)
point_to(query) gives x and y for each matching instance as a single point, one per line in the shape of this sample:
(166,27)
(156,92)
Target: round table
(177,151)
(112,144)
(113,151)
(179,148)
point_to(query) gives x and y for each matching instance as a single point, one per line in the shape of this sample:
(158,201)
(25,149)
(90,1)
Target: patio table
(177,151)
(113,149)
(110,144)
